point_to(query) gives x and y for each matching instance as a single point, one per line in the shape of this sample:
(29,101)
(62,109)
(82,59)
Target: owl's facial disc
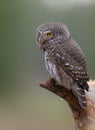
(44,36)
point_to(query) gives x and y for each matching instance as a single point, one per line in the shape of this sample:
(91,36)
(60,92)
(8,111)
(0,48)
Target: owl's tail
(79,92)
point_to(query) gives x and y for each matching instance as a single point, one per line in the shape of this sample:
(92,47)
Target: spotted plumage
(64,59)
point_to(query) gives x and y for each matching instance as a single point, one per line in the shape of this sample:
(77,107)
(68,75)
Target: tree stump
(84,118)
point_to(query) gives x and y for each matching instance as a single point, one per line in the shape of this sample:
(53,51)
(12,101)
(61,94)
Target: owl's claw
(53,82)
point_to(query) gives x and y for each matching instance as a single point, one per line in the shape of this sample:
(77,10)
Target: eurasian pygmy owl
(64,59)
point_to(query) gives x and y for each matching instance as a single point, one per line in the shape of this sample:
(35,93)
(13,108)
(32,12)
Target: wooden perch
(84,118)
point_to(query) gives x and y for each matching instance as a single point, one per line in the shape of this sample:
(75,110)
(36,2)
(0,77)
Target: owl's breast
(51,68)
(58,73)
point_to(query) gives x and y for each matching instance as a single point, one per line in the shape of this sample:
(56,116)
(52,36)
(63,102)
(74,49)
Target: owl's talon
(54,83)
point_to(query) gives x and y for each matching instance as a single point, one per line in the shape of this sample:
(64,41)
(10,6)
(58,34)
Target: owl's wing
(73,63)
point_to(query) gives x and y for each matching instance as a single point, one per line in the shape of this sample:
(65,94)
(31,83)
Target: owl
(64,59)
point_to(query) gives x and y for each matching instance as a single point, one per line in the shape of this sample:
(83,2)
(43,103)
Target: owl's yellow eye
(49,34)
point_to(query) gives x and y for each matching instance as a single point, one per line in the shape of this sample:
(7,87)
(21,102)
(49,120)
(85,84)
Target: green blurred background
(23,104)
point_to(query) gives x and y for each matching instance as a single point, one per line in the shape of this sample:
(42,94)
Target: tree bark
(84,118)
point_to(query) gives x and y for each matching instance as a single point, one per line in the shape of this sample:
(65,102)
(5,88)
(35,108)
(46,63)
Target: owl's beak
(41,40)
(41,37)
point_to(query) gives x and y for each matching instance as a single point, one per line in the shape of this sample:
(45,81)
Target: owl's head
(51,33)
